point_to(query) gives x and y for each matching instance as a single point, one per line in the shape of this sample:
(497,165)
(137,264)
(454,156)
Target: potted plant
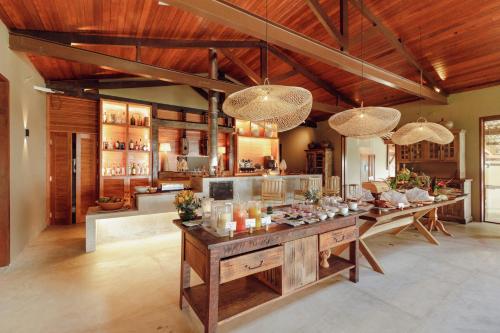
(186,204)
(312,196)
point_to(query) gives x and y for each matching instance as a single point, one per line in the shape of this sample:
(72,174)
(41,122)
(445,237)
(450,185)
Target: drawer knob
(254,267)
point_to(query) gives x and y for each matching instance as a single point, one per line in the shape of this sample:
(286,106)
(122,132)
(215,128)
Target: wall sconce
(26,133)
(165,148)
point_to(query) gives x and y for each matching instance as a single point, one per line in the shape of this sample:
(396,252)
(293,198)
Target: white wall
(27,157)
(355,148)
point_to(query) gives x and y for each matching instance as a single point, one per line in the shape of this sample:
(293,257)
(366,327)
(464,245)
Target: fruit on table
(110,199)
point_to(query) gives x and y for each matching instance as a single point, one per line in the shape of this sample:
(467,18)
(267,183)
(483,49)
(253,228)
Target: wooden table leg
(212,283)
(185,274)
(423,230)
(353,257)
(434,222)
(370,257)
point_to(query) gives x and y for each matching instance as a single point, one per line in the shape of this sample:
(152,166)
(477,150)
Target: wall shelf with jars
(125,148)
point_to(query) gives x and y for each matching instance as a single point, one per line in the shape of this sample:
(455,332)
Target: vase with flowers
(312,196)
(187,204)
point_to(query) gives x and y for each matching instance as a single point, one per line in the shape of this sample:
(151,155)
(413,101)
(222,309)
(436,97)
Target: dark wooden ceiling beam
(118,84)
(395,41)
(234,17)
(326,22)
(91,39)
(18,42)
(344,23)
(30,44)
(311,76)
(254,77)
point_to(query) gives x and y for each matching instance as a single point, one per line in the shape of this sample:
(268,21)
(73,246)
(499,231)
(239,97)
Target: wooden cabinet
(460,211)
(125,148)
(443,161)
(301,263)
(319,161)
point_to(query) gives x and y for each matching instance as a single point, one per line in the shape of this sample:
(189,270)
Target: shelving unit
(319,161)
(253,141)
(122,165)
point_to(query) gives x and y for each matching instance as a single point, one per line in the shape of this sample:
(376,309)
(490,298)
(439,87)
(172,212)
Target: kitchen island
(251,269)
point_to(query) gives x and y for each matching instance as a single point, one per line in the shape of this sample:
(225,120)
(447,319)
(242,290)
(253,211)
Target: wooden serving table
(396,221)
(248,270)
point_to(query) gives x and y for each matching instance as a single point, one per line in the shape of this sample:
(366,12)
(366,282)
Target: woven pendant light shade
(421,130)
(268,102)
(365,122)
(285,123)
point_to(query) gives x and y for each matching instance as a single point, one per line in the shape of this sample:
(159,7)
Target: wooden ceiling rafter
(327,23)
(396,42)
(234,17)
(29,44)
(77,38)
(311,76)
(254,77)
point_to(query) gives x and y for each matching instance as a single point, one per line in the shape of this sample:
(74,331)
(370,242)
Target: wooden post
(213,111)
(4,174)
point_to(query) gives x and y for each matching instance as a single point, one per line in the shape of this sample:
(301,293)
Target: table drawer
(251,263)
(338,237)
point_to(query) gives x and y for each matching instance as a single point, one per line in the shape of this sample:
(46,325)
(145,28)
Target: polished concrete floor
(132,286)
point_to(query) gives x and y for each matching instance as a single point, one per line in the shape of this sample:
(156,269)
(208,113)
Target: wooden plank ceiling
(457,42)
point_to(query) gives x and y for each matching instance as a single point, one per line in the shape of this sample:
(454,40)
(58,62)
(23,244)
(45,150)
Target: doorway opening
(4,173)
(490,169)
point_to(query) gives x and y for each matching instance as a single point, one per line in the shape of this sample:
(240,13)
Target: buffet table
(396,221)
(251,269)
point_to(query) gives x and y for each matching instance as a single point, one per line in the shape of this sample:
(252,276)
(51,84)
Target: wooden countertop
(276,234)
(393,213)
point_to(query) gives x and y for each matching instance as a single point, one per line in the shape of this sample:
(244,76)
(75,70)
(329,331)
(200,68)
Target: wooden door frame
(482,120)
(5,225)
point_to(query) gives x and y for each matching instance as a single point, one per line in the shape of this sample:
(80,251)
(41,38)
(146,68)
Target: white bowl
(322,217)
(330,214)
(141,189)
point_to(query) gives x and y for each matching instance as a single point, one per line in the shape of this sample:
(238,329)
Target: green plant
(186,204)
(312,195)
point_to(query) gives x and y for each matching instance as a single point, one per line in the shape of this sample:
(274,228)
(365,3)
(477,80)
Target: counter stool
(332,186)
(273,190)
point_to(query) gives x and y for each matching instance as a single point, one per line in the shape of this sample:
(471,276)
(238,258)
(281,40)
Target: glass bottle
(255,212)
(239,216)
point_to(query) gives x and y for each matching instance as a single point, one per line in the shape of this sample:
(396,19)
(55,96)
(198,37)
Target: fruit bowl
(107,203)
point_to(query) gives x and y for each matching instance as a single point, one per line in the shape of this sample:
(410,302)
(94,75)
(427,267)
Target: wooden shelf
(257,137)
(139,127)
(235,297)
(139,151)
(116,125)
(337,266)
(114,150)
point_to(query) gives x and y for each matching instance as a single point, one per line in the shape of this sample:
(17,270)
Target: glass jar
(239,216)
(255,212)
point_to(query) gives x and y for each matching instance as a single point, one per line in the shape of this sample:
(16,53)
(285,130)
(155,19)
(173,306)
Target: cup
(344,210)
(353,205)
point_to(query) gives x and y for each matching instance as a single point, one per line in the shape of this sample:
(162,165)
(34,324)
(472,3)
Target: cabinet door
(403,154)
(60,177)
(417,152)
(433,151)
(300,266)
(450,151)
(86,174)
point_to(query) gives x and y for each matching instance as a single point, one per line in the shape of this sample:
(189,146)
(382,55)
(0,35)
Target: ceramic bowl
(141,189)
(330,214)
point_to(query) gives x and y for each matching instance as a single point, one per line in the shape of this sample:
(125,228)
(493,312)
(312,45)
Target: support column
(213,112)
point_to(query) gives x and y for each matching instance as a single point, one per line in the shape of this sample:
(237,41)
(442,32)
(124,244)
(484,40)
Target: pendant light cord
(267,45)
(362,55)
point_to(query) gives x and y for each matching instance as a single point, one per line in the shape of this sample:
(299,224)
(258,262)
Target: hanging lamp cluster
(285,106)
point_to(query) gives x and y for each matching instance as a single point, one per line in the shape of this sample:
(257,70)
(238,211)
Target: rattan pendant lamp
(285,106)
(365,121)
(422,130)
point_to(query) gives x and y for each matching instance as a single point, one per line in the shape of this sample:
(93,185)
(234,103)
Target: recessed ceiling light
(163,3)
(437,89)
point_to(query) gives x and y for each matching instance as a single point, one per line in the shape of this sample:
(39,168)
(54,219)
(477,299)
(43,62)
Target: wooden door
(60,178)
(86,174)
(300,265)
(4,174)
(449,151)
(403,154)
(433,151)
(417,152)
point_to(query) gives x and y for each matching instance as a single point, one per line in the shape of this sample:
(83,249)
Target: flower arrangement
(312,196)
(186,204)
